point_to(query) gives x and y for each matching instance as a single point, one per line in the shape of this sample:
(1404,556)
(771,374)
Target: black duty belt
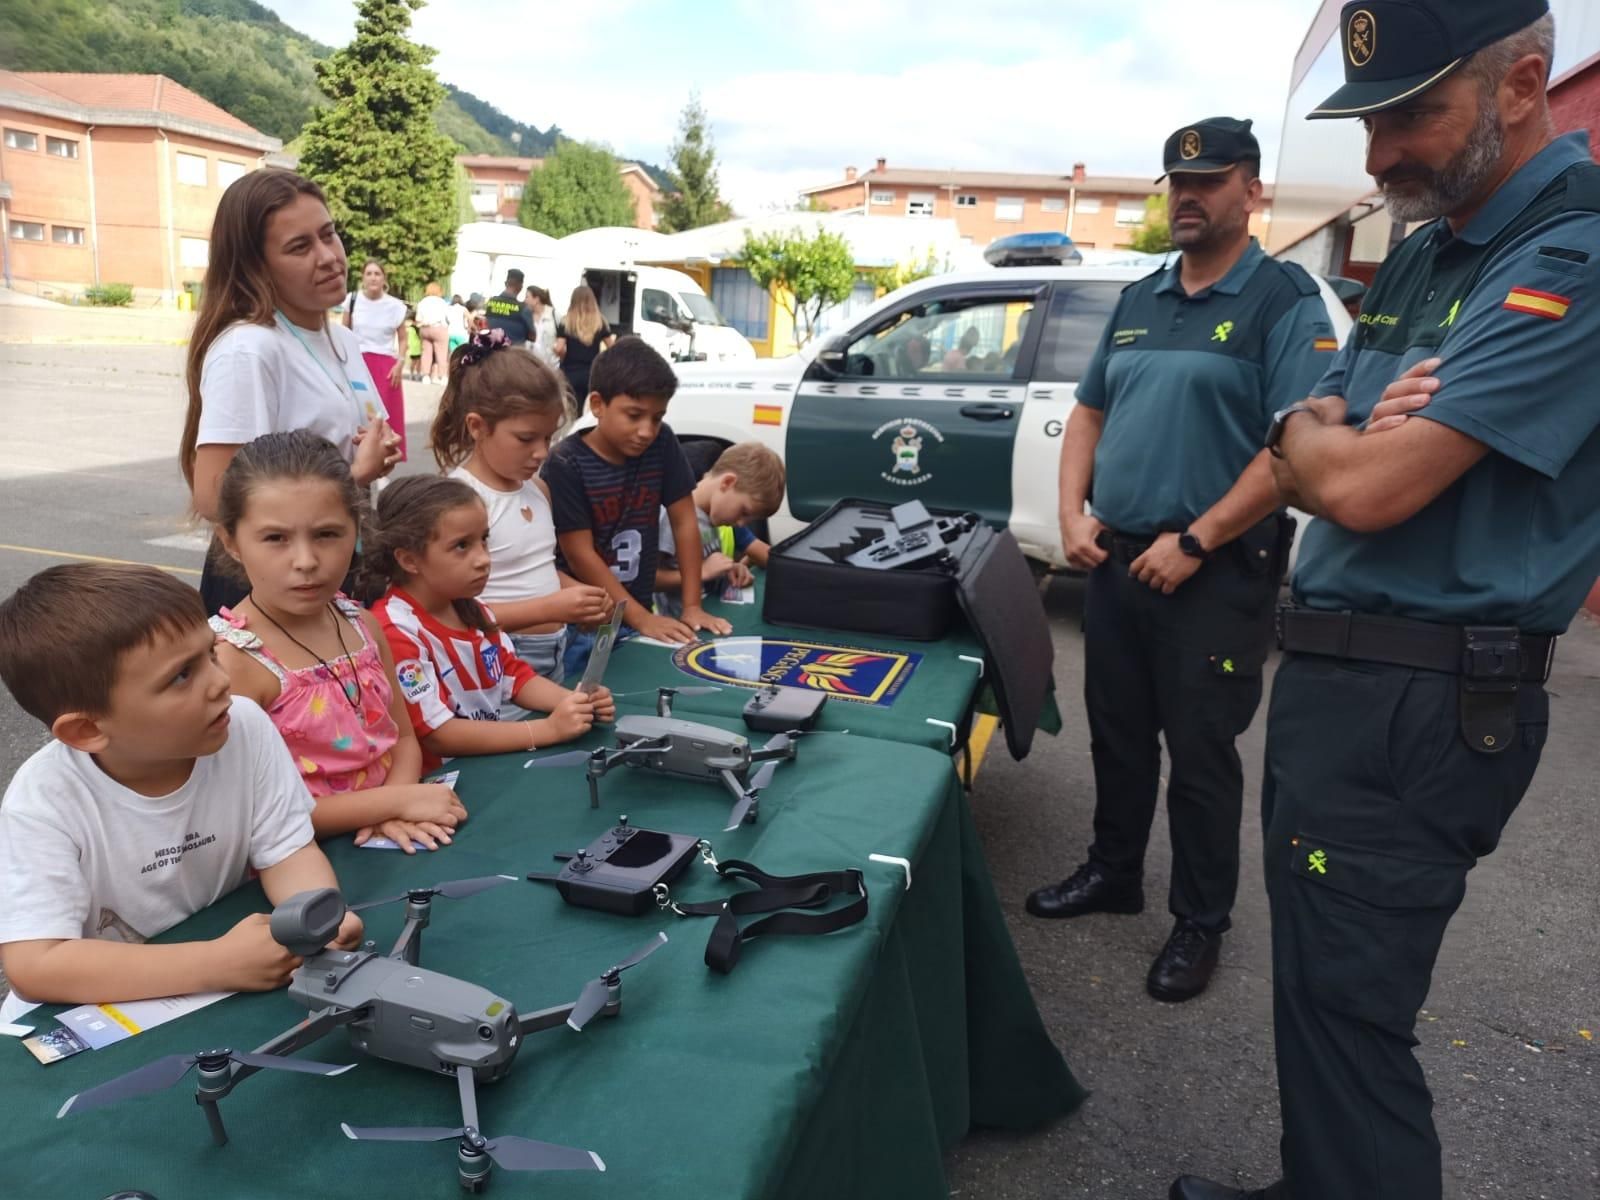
(1476,652)
(774,893)
(1123,547)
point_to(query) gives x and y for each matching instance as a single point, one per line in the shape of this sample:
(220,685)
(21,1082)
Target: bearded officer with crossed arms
(1452,457)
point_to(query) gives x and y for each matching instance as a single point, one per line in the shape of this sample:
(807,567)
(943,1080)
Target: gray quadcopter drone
(686,750)
(392,1008)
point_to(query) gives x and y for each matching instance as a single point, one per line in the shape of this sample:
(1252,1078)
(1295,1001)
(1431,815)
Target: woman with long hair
(379,322)
(264,358)
(580,339)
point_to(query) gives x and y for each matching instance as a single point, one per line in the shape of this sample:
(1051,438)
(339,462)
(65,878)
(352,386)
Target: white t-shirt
(260,379)
(522,540)
(433,310)
(81,856)
(375,321)
(455,320)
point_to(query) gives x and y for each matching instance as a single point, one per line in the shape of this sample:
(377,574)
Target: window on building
(1088,205)
(1072,327)
(882,197)
(746,305)
(192,169)
(1008,208)
(1130,212)
(967,200)
(513,191)
(61,147)
(1053,204)
(485,198)
(919,204)
(66,235)
(229,173)
(21,139)
(27,231)
(194,252)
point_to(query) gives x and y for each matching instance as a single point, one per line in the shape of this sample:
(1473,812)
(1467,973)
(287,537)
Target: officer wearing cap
(1184,543)
(1452,457)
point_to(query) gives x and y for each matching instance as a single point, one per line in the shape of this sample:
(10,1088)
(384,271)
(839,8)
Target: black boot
(1183,968)
(1087,890)
(1192,1187)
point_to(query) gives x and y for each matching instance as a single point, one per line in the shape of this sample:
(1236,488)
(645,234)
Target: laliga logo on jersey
(413,680)
(907,447)
(845,672)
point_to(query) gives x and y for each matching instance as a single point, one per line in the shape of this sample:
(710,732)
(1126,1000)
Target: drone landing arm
(603,763)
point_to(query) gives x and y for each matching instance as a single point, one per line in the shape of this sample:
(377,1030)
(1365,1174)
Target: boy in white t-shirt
(160,794)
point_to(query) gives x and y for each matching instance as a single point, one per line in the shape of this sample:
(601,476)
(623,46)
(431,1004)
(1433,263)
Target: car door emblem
(911,438)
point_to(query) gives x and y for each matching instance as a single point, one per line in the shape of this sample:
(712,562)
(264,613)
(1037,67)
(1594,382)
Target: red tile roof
(130,93)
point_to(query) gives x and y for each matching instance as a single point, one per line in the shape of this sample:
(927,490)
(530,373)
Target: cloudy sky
(795,92)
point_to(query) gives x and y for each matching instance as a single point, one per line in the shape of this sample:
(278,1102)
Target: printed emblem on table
(845,672)
(1363,38)
(911,438)
(1189,145)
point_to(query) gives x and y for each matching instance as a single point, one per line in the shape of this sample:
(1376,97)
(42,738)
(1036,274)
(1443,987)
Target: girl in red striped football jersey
(455,667)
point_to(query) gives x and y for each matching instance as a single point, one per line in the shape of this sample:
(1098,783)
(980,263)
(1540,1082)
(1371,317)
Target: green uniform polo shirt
(1516,540)
(1189,386)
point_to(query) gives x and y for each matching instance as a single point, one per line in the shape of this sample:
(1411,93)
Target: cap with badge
(1396,49)
(1209,147)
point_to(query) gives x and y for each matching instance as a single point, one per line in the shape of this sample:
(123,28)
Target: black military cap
(1396,49)
(1210,147)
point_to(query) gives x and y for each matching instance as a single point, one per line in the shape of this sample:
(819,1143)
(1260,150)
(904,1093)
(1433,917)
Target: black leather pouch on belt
(1264,547)
(1490,667)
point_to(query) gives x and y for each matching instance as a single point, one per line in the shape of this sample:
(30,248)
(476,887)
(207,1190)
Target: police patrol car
(953,390)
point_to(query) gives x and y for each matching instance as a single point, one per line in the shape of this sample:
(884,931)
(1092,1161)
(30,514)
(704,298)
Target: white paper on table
(641,640)
(101,1025)
(739,595)
(12,1007)
(448,778)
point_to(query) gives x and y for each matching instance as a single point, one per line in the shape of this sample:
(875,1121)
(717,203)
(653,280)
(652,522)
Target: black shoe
(1192,1187)
(1183,968)
(1086,890)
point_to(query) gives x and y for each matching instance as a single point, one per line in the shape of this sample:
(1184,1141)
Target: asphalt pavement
(88,467)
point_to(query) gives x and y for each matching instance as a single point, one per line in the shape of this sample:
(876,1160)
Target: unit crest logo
(911,436)
(844,672)
(1363,38)
(1189,145)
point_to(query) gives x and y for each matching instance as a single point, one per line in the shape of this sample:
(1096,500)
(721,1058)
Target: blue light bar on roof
(1033,250)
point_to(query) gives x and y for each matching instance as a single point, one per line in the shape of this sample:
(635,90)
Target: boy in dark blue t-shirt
(608,484)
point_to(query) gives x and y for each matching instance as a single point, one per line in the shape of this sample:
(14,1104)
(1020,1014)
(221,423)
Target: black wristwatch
(1279,420)
(1190,545)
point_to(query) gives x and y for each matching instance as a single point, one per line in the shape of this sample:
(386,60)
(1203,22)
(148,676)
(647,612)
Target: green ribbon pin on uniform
(1317,860)
(1223,330)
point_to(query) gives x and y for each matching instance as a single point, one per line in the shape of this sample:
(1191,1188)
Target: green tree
(577,187)
(390,176)
(1155,235)
(465,213)
(912,269)
(693,198)
(807,274)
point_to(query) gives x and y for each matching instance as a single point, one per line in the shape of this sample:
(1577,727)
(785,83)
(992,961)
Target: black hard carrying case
(989,589)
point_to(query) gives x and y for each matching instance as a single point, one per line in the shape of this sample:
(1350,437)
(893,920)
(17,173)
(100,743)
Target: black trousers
(1188,666)
(1374,811)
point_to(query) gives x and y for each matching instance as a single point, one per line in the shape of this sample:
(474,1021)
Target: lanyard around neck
(343,388)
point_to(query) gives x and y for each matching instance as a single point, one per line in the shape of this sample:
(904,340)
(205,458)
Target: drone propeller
(750,793)
(454,889)
(511,1153)
(164,1072)
(597,991)
(570,758)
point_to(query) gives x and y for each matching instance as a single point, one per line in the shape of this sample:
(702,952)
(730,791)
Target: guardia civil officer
(1184,544)
(1453,544)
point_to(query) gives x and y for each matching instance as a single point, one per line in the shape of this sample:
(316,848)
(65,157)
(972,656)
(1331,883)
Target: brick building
(1099,212)
(498,180)
(113,179)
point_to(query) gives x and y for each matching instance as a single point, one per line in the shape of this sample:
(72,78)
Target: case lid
(1001,601)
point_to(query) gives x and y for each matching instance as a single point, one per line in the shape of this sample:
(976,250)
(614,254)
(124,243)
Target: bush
(110,295)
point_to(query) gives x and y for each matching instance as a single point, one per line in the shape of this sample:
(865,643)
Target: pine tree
(576,187)
(388,173)
(694,199)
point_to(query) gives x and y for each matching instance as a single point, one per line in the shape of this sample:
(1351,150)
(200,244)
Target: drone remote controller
(618,871)
(782,709)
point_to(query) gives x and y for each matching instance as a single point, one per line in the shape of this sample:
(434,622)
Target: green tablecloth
(944,687)
(840,1066)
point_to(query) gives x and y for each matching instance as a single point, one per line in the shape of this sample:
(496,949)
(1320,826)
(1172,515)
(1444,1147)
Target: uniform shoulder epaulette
(1161,270)
(1303,281)
(1583,188)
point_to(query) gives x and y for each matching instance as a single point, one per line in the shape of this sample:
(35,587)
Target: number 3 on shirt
(628,547)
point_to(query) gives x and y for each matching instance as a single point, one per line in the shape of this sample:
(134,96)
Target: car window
(658,307)
(1072,329)
(957,337)
(701,308)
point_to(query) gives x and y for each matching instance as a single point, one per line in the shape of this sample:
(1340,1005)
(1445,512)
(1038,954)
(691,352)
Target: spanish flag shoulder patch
(1325,345)
(1538,304)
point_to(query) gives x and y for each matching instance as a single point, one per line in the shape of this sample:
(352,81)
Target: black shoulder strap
(775,893)
(1161,270)
(1577,189)
(1300,277)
